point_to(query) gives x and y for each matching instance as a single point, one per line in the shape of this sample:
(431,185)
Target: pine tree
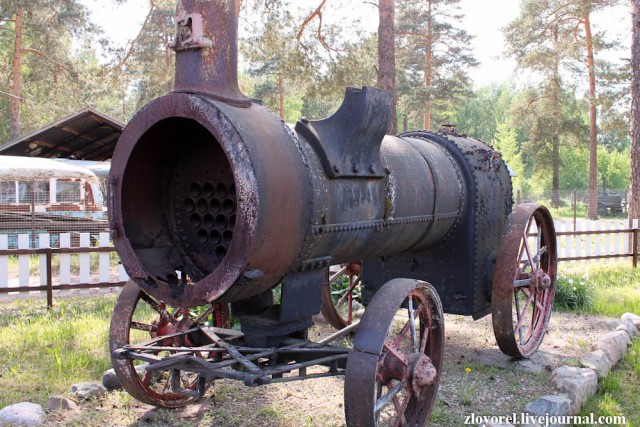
(634,206)
(434,57)
(36,38)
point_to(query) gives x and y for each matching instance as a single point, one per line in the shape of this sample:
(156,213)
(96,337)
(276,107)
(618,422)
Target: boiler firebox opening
(179,201)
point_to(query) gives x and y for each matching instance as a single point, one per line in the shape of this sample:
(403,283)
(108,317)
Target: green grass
(45,352)
(618,394)
(611,288)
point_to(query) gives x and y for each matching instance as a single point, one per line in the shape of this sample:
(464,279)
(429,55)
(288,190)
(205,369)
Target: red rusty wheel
(340,298)
(524,281)
(138,317)
(394,368)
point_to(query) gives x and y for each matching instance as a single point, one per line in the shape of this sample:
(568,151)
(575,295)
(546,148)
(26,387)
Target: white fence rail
(90,265)
(600,239)
(87,265)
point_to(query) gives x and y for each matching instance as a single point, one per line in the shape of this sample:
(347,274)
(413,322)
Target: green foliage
(480,113)
(573,293)
(52,81)
(506,143)
(433,56)
(66,345)
(613,286)
(618,395)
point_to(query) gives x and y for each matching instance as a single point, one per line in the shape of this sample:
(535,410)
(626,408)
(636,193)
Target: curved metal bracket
(348,142)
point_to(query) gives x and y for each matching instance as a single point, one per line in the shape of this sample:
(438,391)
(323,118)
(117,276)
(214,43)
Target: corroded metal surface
(206,46)
(524,281)
(394,368)
(214,199)
(140,383)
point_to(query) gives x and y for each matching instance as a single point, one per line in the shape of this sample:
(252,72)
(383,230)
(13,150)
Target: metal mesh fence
(51,206)
(574,203)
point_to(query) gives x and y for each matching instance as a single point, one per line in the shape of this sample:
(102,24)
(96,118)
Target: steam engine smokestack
(206,46)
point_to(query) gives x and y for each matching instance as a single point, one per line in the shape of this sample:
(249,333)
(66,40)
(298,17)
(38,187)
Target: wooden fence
(87,266)
(591,240)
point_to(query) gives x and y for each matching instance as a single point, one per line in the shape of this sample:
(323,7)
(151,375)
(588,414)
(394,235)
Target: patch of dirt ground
(470,383)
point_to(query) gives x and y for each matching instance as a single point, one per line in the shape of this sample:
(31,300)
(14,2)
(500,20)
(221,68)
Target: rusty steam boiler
(215,201)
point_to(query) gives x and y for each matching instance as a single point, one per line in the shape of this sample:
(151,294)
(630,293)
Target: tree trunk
(634,204)
(281,95)
(555,176)
(428,68)
(592,211)
(17,75)
(387,56)
(556,114)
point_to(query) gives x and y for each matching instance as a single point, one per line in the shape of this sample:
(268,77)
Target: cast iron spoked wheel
(524,282)
(342,296)
(394,368)
(138,317)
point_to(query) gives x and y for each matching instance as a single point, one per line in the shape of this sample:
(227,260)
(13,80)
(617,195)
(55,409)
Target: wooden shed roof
(84,135)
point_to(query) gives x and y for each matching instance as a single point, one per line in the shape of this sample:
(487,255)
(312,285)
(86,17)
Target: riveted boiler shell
(199,190)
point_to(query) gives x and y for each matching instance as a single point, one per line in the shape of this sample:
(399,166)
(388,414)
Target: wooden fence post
(635,247)
(49,280)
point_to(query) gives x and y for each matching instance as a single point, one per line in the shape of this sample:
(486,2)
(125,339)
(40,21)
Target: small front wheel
(394,368)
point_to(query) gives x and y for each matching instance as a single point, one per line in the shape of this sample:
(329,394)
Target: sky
(483,19)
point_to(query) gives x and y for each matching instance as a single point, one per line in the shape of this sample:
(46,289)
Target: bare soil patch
(468,385)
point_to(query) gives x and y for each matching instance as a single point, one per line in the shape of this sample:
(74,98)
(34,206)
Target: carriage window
(68,192)
(7,192)
(39,190)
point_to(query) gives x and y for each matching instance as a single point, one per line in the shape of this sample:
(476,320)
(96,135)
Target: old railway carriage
(49,196)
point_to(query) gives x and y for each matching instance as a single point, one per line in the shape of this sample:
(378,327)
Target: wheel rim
(524,282)
(342,295)
(393,372)
(138,317)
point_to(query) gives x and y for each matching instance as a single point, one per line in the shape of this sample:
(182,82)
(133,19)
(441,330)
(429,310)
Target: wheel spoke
(146,380)
(156,306)
(414,337)
(391,348)
(352,286)
(517,301)
(201,318)
(530,261)
(524,310)
(401,419)
(388,397)
(143,327)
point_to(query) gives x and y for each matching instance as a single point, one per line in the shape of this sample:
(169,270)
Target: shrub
(573,293)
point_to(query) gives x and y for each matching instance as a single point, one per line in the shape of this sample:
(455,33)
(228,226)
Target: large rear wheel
(524,282)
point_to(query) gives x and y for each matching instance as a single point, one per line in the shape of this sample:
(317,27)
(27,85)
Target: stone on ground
(577,383)
(552,405)
(111,381)
(58,403)
(539,361)
(23,414)
(86,391)
(614,344)
(630,327)
(633,317)
(598,361)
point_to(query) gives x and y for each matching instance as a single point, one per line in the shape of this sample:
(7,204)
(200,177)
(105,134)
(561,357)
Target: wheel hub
(541,281)
(423,374)
(417,372)
(167,325)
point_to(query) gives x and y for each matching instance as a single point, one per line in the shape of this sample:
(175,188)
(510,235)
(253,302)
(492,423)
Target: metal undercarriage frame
(223,356)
